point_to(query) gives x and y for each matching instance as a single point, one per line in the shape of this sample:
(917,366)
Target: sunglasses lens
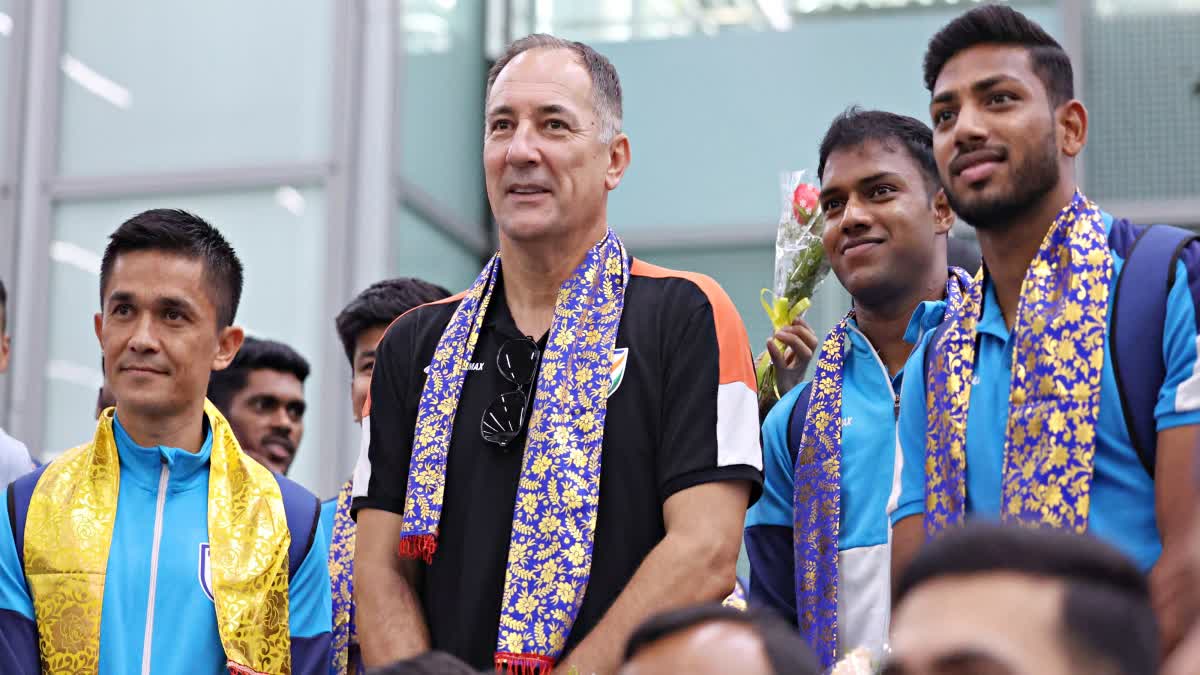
(517,361)
(503,419)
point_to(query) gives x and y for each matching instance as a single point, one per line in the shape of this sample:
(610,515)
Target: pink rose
(804,202)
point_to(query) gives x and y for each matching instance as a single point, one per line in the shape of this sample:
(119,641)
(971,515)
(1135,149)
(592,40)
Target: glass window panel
(1142,75)
(421,250)
(174,85)
(279,237)
(442,103)
(625,20)
(6,36)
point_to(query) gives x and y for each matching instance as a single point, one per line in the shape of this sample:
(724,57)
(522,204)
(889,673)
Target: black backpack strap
(1136,332)
(303,516)
(795,432)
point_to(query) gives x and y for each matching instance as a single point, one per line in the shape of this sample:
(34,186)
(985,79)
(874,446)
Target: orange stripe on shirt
(737,361)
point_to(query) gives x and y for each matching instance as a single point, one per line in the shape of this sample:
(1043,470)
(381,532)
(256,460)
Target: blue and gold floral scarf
(817,498)
(1054,397)
(554,519)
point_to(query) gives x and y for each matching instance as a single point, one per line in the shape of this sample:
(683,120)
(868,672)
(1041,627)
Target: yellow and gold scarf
(73,509)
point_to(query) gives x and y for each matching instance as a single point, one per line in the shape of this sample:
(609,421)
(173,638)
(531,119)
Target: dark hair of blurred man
(1003,599)
(361,324)
(172,550)
(713,639)
(14,456)
(261,393)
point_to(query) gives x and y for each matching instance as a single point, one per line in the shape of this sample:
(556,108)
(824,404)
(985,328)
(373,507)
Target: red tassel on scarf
(418,547)
(523,664)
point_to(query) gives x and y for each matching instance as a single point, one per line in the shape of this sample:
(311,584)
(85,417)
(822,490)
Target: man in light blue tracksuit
(170,286)
(885,237)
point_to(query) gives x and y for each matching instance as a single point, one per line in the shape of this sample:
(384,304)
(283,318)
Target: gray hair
(606,86)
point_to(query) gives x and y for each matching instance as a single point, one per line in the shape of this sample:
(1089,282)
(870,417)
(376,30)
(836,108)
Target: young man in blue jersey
(360,326)
(1029,412)
(160,546)
(885,236)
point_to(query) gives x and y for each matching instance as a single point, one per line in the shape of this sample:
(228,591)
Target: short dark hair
(3,308)
(856,126)
(1003,25)
(1106,615)
(606,86)
(255,354)
(177,231)
(380,304)
(786,651)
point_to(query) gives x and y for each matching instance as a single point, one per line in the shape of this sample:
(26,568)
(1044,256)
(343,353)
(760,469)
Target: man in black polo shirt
(564,486)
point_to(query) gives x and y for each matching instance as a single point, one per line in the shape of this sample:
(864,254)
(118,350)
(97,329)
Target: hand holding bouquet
(800,266)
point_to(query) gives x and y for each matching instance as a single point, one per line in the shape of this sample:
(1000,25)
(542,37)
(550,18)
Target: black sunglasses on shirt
(503,420)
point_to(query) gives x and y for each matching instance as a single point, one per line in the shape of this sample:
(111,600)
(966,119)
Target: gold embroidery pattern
(74,507)
(1058,353)
(247,528)
(1054,397)
(341,575)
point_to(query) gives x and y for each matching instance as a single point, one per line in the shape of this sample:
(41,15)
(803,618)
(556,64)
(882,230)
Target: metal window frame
(39,159)
(10,168)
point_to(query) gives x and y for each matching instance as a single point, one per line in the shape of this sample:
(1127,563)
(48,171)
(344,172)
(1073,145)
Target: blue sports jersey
(869,455)
(1123,501)
(180,627)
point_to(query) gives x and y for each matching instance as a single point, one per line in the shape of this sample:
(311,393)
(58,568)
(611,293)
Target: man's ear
(1072,119)
(943,215)
(228,344)
(618,161)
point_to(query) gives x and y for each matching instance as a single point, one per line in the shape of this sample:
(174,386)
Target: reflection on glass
(442,117)
(283,255)
(423,251)
(177,85)
(624,20)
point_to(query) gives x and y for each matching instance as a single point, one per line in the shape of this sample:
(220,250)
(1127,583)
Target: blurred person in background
(160,546)
(830,446)
(1031,407)
(261,393)
(14,456)
(714,640)
(104,399)
(490,415)
(1001,599)
(360,326)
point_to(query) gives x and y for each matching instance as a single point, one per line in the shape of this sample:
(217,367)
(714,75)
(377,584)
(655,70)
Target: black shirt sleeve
(710,413)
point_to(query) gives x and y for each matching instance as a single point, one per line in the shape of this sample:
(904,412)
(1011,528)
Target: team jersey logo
(204,571)
(620,359)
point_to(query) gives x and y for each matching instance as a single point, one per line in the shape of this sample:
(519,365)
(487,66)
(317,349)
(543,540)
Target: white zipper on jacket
(148,641)
(886,377)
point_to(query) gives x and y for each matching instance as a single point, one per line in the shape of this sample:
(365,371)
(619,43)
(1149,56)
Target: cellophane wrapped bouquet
(800,267)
